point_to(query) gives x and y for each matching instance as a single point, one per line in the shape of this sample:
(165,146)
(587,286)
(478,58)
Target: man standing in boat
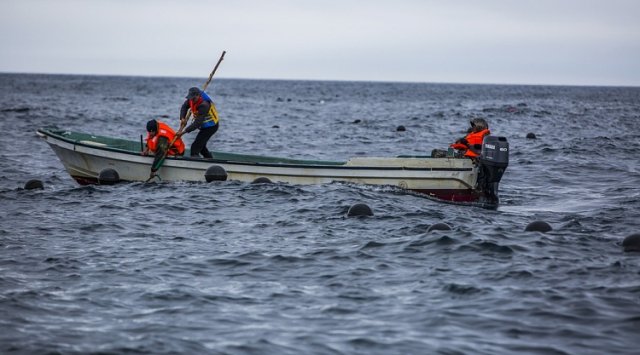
(159,135)
(205,118)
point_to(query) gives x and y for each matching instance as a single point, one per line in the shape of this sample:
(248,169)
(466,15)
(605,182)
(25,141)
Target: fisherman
(159,135)
(205,119)
(471,144)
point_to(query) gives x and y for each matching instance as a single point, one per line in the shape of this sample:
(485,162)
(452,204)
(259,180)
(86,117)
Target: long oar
(186,119)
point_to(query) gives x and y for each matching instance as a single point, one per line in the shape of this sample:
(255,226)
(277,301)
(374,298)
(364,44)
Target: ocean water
(236,268)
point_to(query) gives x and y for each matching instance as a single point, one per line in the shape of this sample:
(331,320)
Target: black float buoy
(359,209)
(33,184)
(439,227)
(357,121)
(401,128)
(108,177)
(538,226)
(215,173)
(632,242)
(261,180)
(531,135)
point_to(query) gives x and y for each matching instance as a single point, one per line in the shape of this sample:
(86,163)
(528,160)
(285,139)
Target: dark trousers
(199,145)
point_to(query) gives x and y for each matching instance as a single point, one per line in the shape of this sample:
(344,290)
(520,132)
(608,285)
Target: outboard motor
(493,161)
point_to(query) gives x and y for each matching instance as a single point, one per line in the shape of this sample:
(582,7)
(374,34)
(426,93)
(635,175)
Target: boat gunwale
(312,165)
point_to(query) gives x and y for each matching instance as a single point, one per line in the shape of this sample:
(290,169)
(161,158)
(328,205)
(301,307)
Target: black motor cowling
(495,157)
(493,161)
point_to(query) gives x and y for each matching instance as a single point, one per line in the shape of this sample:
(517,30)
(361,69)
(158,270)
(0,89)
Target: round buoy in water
(33,184)
(215,173)
(531,135)
(632,242)
(108,177)
(261,180)
(359,209)
(538,226)
(439,227)
(401,128)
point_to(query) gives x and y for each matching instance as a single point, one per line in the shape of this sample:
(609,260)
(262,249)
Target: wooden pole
(204,87)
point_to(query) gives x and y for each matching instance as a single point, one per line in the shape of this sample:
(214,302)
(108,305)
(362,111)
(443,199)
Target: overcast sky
(575,42)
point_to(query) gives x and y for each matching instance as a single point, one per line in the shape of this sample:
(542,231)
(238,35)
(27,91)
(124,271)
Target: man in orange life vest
(205,119)
(471,144)
(159,135)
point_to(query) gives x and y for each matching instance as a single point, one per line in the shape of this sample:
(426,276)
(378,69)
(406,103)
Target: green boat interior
(135,147)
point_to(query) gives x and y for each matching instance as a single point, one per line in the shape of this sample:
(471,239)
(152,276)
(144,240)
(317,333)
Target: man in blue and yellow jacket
(205,119)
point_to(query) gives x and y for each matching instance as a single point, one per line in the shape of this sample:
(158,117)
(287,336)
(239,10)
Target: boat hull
(445,179)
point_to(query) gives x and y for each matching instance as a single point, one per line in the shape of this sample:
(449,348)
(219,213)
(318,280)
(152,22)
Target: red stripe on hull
(467,196)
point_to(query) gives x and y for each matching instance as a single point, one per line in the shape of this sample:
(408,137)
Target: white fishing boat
(93,159)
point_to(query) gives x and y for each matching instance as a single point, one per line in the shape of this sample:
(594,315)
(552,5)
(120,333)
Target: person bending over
(159,135)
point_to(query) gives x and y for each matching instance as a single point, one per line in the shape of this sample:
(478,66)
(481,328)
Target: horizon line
(322,80)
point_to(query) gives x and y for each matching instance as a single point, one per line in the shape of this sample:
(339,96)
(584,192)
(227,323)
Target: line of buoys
(108,176)
(215,173)
(261,180)
(538,226)
(632,242)
(33,184)
(359,209)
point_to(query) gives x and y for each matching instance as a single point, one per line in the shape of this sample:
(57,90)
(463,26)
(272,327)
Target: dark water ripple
(236,268)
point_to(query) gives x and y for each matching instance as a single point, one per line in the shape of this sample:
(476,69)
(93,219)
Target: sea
(240,268)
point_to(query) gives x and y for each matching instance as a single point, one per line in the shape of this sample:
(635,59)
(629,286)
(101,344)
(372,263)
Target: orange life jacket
(472,143)
(165,131)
